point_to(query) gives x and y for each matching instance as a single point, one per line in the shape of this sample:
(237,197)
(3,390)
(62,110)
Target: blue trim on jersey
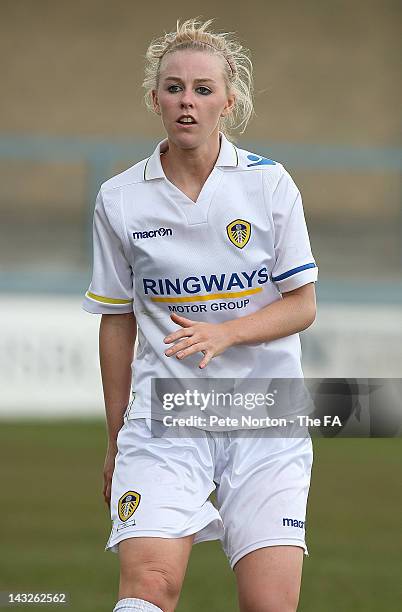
(260,161)
(293,271)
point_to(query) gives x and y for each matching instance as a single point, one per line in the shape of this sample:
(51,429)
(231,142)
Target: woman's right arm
(117,334)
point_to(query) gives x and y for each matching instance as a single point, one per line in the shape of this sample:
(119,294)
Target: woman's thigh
(159,505)
(268,579)
(262,494)
(153,568)
(161,486)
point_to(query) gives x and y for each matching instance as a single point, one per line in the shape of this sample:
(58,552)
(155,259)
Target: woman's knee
(269,579)
(151,582)
(153,569)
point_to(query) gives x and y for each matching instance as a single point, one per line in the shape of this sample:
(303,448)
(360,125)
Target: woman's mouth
(186,121)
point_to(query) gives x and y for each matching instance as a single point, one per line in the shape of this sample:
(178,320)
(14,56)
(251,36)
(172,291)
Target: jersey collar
(227,157)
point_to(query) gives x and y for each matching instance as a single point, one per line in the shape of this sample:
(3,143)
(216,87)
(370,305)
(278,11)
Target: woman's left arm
(293,313)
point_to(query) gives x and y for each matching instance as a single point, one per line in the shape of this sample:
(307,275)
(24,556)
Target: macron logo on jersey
(162,231)
(288,522)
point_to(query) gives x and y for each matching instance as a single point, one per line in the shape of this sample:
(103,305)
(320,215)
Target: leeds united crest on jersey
(239,232)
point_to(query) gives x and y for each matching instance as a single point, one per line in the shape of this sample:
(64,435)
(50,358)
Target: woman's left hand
(212,339)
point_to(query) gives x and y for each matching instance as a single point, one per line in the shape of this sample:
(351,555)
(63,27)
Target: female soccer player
(203,249)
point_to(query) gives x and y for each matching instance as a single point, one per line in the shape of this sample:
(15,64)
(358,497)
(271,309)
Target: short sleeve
(111,288)
(294,262)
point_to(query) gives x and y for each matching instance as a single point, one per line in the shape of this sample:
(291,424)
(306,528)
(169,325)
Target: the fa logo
(128,504)
(239,232)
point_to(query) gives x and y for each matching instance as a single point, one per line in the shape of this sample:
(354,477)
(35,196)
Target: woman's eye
(202,90)
(205,91)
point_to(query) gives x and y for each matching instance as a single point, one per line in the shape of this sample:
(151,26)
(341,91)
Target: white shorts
(161,487)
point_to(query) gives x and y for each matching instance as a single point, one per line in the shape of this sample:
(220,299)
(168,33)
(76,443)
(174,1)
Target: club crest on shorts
(239,232)
(128,504)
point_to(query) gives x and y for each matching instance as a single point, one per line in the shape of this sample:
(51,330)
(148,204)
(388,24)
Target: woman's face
(191,83)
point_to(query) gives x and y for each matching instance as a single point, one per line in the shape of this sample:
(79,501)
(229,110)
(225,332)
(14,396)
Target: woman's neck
(189,165)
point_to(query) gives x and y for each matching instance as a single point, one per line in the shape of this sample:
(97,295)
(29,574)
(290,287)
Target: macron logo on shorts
(288,522)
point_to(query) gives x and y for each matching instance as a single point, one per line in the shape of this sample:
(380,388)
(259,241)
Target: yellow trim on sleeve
(211,296)
(107,300)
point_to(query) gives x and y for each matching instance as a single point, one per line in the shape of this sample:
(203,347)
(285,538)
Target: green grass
(54,525)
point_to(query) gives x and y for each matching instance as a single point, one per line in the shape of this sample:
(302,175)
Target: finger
(179,346)
(182,320)
(107,480)
(107,494)
(194,348)
(204,362)
(181,333)
(206,359)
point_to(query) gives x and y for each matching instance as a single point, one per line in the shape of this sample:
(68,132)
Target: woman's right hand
(108,470)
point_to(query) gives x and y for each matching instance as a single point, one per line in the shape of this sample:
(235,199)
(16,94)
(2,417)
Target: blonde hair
(238,68)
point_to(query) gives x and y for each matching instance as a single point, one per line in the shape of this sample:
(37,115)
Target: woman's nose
(187,98)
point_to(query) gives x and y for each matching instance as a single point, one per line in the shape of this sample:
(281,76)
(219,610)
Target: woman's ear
(155,102)
(228,106)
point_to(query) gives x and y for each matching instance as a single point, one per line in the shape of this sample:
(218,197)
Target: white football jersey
(237,249)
